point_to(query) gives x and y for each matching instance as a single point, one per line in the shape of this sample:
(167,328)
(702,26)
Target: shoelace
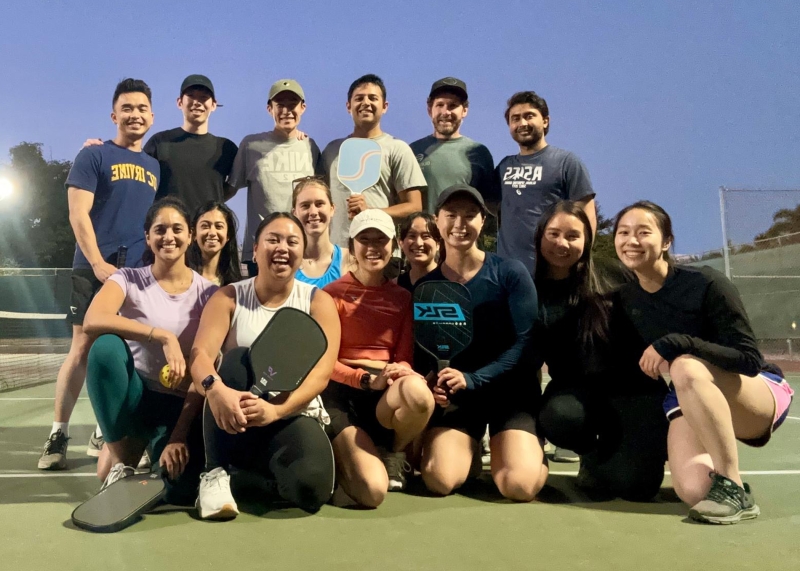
(56,443)
(722,493)
(397,464)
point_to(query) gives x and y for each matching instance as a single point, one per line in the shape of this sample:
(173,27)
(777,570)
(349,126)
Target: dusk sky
(665,101)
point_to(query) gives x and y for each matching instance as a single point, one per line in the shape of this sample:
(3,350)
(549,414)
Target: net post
(725,249)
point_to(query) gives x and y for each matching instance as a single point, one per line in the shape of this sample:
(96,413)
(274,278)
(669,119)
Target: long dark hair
(584,288)
(229,268)
(148,257)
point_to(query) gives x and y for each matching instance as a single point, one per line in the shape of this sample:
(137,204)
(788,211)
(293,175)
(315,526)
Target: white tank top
(250,318)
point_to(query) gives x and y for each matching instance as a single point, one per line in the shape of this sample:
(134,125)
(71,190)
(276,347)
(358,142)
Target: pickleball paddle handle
(122,255)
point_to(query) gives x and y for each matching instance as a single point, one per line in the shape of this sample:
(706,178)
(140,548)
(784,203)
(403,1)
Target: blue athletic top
(333,273)
(504,310)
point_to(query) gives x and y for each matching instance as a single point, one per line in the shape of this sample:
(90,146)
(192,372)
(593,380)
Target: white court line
(793,417)
(668,473)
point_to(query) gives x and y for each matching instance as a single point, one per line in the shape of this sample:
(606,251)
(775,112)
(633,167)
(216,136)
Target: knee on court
(416,395)
(691,489)
(519,485)
(440,481)
(372,492)
(310,488)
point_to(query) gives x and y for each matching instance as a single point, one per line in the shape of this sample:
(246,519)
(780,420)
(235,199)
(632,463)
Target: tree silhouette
(39,235)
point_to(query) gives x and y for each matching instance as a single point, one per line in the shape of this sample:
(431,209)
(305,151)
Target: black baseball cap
(197,80)
(456,189)
(451,84)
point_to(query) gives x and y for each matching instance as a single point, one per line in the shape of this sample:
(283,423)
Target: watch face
(208,381)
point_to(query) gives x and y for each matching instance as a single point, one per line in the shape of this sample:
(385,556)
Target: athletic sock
(98,432)
(62,426)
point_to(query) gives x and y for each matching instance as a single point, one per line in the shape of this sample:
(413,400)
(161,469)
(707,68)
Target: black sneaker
(54,456)
(725,503)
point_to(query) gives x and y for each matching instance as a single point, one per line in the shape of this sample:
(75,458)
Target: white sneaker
(118,472)
(144,462)
(396,468)
(486,452)
(215,501)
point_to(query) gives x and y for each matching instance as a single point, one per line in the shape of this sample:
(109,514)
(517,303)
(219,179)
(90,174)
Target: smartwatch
(208,381)
(364,381)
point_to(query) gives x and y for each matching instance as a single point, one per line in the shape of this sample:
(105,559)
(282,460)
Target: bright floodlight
(6,188)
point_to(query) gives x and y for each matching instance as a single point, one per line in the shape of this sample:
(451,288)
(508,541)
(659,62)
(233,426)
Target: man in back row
(539,176)
(109,189)
(268,162)
(398,191)
(447,157)
(195,164)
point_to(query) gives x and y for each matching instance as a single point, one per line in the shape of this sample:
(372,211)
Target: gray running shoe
(725,503)
(95,445)
(118,472)
(54,456)
(396,468)
(564,455)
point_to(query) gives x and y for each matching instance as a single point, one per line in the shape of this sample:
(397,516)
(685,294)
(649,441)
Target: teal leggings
(125,407)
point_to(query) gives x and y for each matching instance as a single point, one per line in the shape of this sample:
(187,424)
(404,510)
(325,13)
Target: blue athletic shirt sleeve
(576,179)
(735,348)
(523,304)
(86,170)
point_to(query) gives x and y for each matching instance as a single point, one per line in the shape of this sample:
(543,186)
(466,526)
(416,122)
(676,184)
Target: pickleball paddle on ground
(285,351)
(359,164)
(442,320)
(122,503)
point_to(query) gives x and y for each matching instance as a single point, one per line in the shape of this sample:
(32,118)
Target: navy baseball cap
(458,189)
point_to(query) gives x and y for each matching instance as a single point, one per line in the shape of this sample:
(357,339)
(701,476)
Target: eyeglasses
(306,179)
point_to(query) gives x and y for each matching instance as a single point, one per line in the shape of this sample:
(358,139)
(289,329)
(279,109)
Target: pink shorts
(782,393)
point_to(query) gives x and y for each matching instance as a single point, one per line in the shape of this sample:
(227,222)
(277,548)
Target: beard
(446,129)
(530,140)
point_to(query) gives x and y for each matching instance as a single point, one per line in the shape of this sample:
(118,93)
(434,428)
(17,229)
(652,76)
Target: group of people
(162,339)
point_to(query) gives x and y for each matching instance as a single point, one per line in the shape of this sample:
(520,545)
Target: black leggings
(294,452)
(622,439)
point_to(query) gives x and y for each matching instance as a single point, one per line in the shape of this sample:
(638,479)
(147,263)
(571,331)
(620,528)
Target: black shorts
(348,406)
(84,287)
(505,406)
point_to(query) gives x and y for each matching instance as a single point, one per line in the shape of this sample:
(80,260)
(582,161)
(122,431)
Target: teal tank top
(333,273)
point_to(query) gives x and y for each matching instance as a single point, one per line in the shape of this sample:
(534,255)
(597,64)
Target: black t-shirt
(193,167)
(696,312)
(609,362)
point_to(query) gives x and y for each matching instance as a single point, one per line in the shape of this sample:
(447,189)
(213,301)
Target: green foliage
(40,234)
(603,248)
(784,221)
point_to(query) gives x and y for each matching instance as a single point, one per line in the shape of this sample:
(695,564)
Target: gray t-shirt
(457,161)
(399,172)
(529,184)
(267,164)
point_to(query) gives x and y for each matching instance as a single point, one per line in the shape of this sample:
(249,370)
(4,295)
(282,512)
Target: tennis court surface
(475,529)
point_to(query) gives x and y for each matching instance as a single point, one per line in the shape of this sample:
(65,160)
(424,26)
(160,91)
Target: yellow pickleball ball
(163,377)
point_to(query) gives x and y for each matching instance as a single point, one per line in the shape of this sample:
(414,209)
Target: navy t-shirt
(528,185)
(124,184)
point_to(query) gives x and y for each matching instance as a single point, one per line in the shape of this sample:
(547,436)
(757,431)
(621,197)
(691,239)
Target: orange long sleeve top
(377,324)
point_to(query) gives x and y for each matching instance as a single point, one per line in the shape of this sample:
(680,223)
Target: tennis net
(34,334)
